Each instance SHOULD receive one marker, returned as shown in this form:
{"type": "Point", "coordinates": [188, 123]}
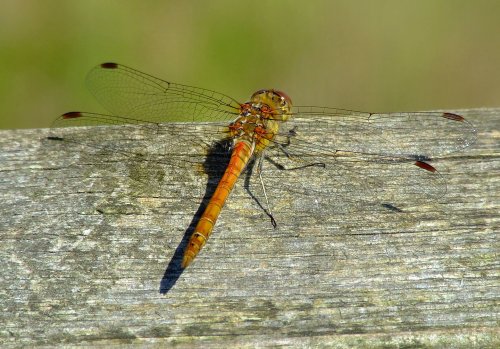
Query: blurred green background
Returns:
{"type": "Point", "coordinates": [385, 55]}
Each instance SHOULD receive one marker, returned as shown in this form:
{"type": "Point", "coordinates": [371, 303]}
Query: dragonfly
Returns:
{"type": "Point", "coordinates": [325, 144]}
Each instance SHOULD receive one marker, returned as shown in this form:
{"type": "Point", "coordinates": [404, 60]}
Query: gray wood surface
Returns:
{"type": "Point", "coordinates": [90, 257]}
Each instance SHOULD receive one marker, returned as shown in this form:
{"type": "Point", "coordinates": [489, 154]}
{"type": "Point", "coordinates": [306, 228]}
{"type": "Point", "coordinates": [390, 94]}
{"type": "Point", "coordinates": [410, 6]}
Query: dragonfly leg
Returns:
{"type": "Point", "coordinates": [268, 207]}
{"type": "Point", "coordinates": [305, 165]}
{"type": "Point", "coordinates": [283, 147]}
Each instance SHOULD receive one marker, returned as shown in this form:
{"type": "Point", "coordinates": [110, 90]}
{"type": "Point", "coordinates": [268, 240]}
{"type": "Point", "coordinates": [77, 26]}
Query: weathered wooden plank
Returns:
{"type": "Point", "coordinates": [90, 257]}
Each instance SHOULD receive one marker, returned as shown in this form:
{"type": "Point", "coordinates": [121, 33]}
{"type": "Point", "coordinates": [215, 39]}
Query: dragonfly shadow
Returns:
{"type": "Point", "coordinates": [214, 166]}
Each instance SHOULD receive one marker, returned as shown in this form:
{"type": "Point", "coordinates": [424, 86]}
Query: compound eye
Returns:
{"type": "Point", "coordinates": [284, 96]}
{"type": "Point", "coordinates": [259, 92]}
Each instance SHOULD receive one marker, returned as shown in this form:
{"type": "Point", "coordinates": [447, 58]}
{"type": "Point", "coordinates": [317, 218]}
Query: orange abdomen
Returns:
{"type": "Point", "coordinates": [239, 158]}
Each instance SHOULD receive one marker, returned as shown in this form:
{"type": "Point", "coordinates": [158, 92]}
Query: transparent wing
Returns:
{"type": "Point", "coordinates": [129, 92]}
{"type": "Point", "coordinates": [410, 134]}
{"type": "Point", "coordinates": [139, 140]}
{"type": "Point", "coordinates": [150, 110]}
{"type": "Point", "coordinates": [343, 183]}
{"type": "Point", "coordinates": [354, 159]}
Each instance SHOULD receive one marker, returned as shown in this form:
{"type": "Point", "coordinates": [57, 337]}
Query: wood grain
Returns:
{"type": "Point", "coordinates": [90, 257]}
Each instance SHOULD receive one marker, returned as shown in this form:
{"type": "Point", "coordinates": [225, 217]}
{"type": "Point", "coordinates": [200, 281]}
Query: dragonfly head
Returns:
{"type": "Point", "coordinates": [277, 103]}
